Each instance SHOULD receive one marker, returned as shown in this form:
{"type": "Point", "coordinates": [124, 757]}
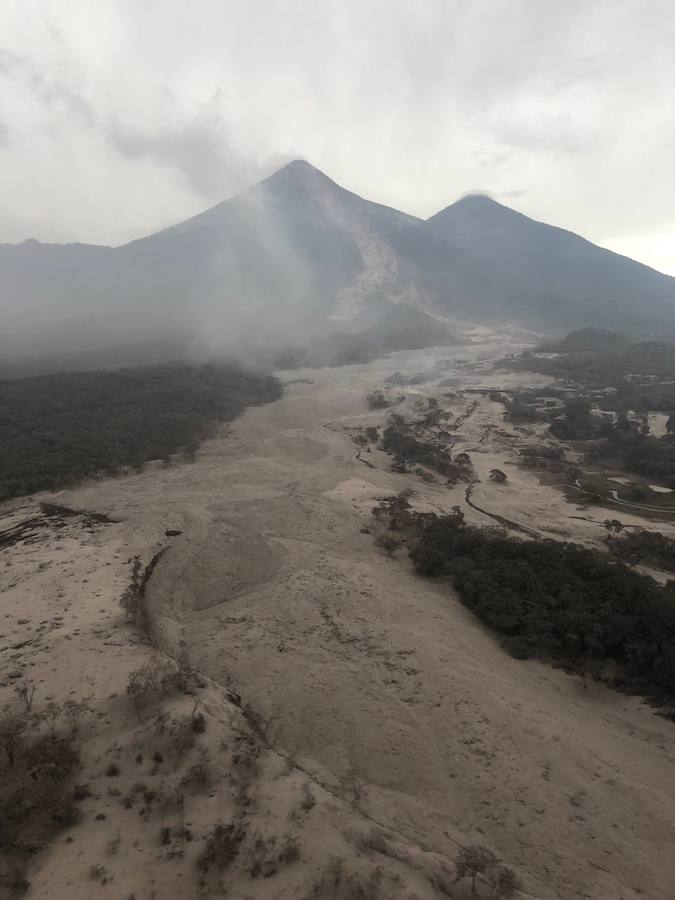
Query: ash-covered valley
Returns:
{"type": "Point", "coordinates": [323, 654]}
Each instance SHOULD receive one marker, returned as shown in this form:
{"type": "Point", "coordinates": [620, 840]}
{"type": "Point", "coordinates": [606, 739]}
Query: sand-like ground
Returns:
{"type": "Point", "coordinates": [376, 684]}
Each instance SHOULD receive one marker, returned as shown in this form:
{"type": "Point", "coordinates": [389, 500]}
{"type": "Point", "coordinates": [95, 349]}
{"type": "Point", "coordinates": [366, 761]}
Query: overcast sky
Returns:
{"type": "Point", "coordinates": [118, 117]}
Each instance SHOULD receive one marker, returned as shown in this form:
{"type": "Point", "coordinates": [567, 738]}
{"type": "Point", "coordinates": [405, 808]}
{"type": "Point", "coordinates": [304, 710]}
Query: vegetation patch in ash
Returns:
{"type": "Point", "coordinates": [635, 451]}
{"type": "Point", "coordinates": [611, 385]}
{"type": "Point", "coordinates": [58, 429]}
{"type": "Point", "coordinates": [424, 440]}
{"type": "Point", "coordinates": [556, 601]}
{"type": "Point", "coordinates": [625, 374]}
{"type": "Point", "coordinates": [636, 546]}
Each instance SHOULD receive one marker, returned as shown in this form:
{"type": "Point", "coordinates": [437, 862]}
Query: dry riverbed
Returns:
{"type": "Point", "coordinates": [384, 727]}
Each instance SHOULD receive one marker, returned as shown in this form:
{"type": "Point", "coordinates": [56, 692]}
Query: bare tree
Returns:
{"type": "Point", "coordinates": [506, 883]}
{"type": "Point", "coordinates": [186, 671]}
{"type": "Point", "coordinates": [388, 542]}
{"type": "Point", "coordinates": [26, 691]}
{"type": "Point", "coordinates": [150, 681]}
{"type": "Point", "coordinates": [12, 729]}
{"type": "Point", "coordinates": [463, 460]}
{"type": "Point", "coordinates": [613, 526]}
{"type": "Point", "coordinates": [130, 601]}
{"type": "Point", "coordinates": [51, 715]}
{"type": "Point", "coordinates": [353, 787]}
{"type": "Point", "coordinates": [474, 861]}
{"type": "Point", "coordinates": [74, 710]}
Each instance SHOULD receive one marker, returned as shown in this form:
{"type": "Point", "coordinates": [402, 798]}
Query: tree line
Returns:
{"type": "Point", "coordinates": [556, 601]}
{"type": "Point", "coordinates": [58, 429]}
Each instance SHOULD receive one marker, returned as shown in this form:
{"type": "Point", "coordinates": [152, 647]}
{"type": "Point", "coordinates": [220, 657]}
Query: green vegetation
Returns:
{"type": "Point", "coordinates": [639, 375]}
{"type": "Point", "coordinates": [614, 375]}
{"type": "Point", "coordinates": [588, 340]}
{"type": "Point", "coordinates": [637, 546]}
{"type": "Point", "coordinates": [637, 452]}
{"type": "Point", "coordinates": [576, 422]}
{"type": "Point", "coordinates": [556, 601]}
{"type": "Point", "coordinates": [58, 429]}
{"type": "Point", "coordinates": [399, 440]}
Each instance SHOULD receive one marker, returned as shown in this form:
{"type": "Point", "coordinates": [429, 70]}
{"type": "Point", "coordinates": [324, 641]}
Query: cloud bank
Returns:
{"type": "Point", "coordinates": [118, 118]}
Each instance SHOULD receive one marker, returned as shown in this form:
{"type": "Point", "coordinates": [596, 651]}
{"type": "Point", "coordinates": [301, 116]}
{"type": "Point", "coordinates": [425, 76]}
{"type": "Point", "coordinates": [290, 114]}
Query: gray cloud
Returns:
{"type": "Point", "coordinates": [199, 150]}
{"type": "Point", "coordinates": [52, 93]}
{"type": "Point", "coordinates": [126, 117]}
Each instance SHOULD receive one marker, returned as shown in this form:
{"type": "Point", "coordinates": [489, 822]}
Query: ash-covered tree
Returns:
{"type": "Point", "coordinates": [505, 882]}
{"type": "Point", "coordinates": [130, 601]}
{"type": "Point", "coordinates": [613, 526]}
{"type": "Point", "coordinates": [26, 692]}
{"type": "Point", "coordinates": [12, 730]}
{"type": "Point", "coordinates": [474, 861]}
{"type": "Point", "coordinates": [388, 542]}
{"type": "Point", "coordinates": [463, 460]}
{"type": "Point", "coordinates": [377, 400]}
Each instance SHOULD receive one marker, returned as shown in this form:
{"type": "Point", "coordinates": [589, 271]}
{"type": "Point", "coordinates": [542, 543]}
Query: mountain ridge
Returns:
{"type": "Point", "coordinates": [493, 204]}
{"type": "Point", "coordinates": [303, 166]}
{"type": "Point", "coordinates": [297, 255]}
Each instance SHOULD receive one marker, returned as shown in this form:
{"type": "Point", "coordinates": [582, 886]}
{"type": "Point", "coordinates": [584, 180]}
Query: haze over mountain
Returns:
{"type": "Point", "coordinates": [552, 274]}
{"type": "Point", "coordinates": [298, 256]}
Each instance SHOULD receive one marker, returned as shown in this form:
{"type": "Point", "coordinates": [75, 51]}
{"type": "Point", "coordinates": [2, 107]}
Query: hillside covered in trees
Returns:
{"type": "Point", "coordinates": [555, 601]}
{"type": "Point", "coordinates": [58, 429]}
{"type": "Point", "coordinates": [599, 358]}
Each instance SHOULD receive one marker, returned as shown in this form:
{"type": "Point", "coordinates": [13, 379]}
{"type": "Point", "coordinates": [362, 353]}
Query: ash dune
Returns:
{"type": "Point", "coordinates": [382, 697]}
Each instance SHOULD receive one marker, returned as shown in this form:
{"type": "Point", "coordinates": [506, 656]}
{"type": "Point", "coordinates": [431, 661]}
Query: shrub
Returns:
{"type": "Point", "coordinates": [131, 599]}
{"type": "Point", "coordinates": [97, 872]}
{"type": "Point", "coordinates": [474, 861]}
{"type": "Point", "coordinates": [377, 400]}
{"type": "Point", "coordinates": [54, 759]}
{"type": "Point", "coordinates": [506, 882]}
{"type": "Point", "coordinates": [186, 673]}
{"type": "Point", "coordinates": [268, 856]}
{"type": "Point", "coordinates": [198, 722]}
{"type": "Point", "coordinates": [51, 715]}
{"type": "Point", "coordinates": [222, 845]}
{"type": "Point", "coordinates": [198, 776]}
{"type": "Point", "coordinates": [15, 881]}
{"type": "Point", "coordinates": [74, 710]}
{"type": "Point", "coordinates": [151, 681]}
{"type": "Point", "coordinates": [26, 691]}
{"type": "Point", "coordinates": [113, 845]}
{"type": "Point", "coordinates": [12, 732]}
{"type": "Point", "coordinates": [182, 736]}
{"type": "Point", "coordinates": [81, 792]}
